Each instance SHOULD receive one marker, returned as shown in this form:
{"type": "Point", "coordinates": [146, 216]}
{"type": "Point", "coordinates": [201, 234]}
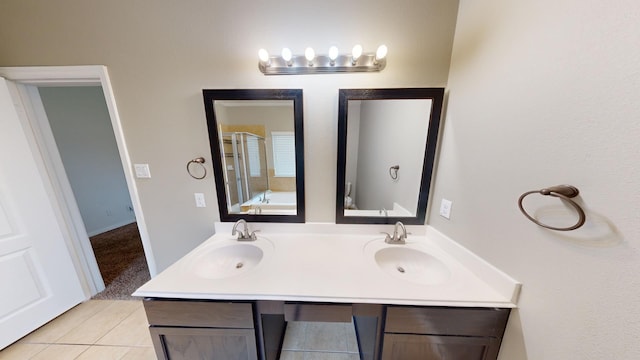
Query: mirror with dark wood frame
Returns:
{"type": "Point", "coordinates": [257, 147]}
{"type": "Point", "coordinates": [386, 148]}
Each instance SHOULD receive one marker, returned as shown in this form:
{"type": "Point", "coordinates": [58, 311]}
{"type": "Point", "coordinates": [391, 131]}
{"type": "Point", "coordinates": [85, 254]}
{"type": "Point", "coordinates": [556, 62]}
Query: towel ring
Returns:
{"type": "Point", "coordinates": [393, 172]}
{"type": "Point", "coordinates": [198, 160]}
{"type": "Point", "coordinates": [564, 192]}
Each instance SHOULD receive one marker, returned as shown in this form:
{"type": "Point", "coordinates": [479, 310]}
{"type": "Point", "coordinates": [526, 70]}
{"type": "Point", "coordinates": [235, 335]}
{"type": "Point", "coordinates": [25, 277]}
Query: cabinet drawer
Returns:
{"type": "Point", "coordinates": [446, 321]}
{"type": "Point", "coordinates": [433, 347]}
{"type": "Point", "coordinates": [199, 314]}
{"type": "Point", "coordinates": [172, 343]}
{"type": "Point", "coordinates": [317, 312]}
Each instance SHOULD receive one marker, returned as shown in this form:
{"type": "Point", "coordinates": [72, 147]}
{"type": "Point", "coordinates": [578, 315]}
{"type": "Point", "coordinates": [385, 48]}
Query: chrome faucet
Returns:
{"type": "Point", "coordinates": [243, 235]}
{"type": "Point", "coordinates": [264, 199]}
{"type": "Point", "coordinates": [398, 237]}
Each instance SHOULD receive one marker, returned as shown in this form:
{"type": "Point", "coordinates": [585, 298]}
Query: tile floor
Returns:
{"type": "Point", "coordinates": [319, 341]}
{"type": "Point", "coordinates": [118, 329]}
{"type": "Point", "coordinates": [96, 329]}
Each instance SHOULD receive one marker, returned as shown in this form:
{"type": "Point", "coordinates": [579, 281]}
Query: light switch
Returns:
{"type": "Point", "coordinates": [445, 208]}
{"type": "Point", "coordinates": [200, 200]}
{"type": "Point", "coordinates": [142, 171]}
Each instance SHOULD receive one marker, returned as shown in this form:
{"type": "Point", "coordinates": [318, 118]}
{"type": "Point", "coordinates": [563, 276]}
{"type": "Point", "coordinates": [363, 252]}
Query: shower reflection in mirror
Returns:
{"type": "Point", "coordinates": [245, 163]}
{"type": "Point", "coordinates": [258, 153]}
{"type": "Point", "coordinates": [257, 150]}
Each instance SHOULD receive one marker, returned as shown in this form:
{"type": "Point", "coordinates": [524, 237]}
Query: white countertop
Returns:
{"type": "Point", "coordinates": [332, 263]}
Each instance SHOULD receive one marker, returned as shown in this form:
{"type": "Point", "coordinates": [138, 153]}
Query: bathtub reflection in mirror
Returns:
{"type": "Point", "coordinates": [257, 149]}
{"type": "Point", "coordinates": [386, 147]}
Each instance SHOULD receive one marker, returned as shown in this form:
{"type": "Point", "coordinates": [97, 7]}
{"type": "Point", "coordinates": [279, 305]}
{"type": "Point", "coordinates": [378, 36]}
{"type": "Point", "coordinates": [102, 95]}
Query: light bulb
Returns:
{"type": "Point", "coordinates": [286, 55]}
{"type": "Point", "coordinates": [309, 54]}
{"type": "Point", "coordinates": [263, 55]}
{"type": "Point", "coordinates": [381, 53]}
{"type": "Point", "coordinates": [333, 53]}
{"type": "Point", "coordinates": [355, 53]}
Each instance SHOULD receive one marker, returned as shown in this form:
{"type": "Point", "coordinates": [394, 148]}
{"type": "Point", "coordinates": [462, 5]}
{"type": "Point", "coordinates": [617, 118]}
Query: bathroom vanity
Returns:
{"type": "Point", "coordinates": [427, 299]}
{"type": "Point", "coordinates": [195, 329]}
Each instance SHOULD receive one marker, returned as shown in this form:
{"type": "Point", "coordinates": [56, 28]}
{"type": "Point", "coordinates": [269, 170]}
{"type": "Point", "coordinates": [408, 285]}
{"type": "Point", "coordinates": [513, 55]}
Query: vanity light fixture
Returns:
{"type": "Point", "coordinates": [263, 55]}
{"type": "Point", "coordinates": [312, 63]}
{"type": "Point", "coordinates": [333, 55]}
{"type": "Point", "coordinates": [286, 56]}
{"type": "Point", "coordinates": [356, 52]}
{"type": "Point", "coordinates": [381, 53]}
{"type": "Point", "coordinates": [309, 54]}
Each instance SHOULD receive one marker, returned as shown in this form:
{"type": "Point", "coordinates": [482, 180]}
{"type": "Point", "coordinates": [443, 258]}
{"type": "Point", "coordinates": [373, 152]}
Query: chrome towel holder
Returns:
{"type": "Point", "coordinates": [393, 172]}
{"type": "Point", "coordinates": [198, 160]}
{"type": "Point", "coordinates": [564, 192]}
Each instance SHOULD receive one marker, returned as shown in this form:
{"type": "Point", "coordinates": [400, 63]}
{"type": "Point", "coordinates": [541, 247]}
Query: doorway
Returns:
{"type": "Point", "coordinates": [81, 128]}
{"type": "Point", "coordinates": [27, 80]}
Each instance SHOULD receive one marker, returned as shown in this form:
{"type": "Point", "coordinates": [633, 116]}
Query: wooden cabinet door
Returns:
{"type": "Point", "coordinates": [428, 347]}
{"type": "Point", "coordinates": [201, 343]}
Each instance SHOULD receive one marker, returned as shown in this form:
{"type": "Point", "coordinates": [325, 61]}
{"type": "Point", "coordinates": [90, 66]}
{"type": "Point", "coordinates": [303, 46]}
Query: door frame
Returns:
{"type": "Point", "coordinates": [26, 80]}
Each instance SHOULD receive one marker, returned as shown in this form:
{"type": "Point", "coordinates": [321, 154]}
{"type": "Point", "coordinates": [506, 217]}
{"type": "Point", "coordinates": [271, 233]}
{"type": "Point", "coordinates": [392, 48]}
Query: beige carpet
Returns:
{"type": "Point", "coordinates": [121, 260]}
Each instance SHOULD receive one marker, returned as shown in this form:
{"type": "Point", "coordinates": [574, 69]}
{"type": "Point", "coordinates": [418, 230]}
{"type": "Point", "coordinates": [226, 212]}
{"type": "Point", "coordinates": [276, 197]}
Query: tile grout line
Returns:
{"type": "Point", "coordinates": [83, 344]}
{"type": "Point", "coordinates": [49, 324]}
{"type": "Point", "coordinates": [89, 317]}
{"type": "Point", "coordinates": [93, 315]}
{"type": "Point", "coordinates": [43, 349]}
{"type": "Point", "coordinates": [43, 345]}
{"type": "Point", "coordinates": [115, 326]}
{"type": "Point", "coordinates": [115, 346]}
{"type": "Point", "coordinates": [85, 350]}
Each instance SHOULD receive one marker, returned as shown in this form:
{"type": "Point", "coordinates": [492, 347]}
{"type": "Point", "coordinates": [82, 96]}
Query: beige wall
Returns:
{"type": "Point", "coordinates": [392, 132]}
{"type": "Point", "coordinates": [541, 92]}
{"type": "Point", "coordinates": [544, 93]}
{"type": "Point", "coordinates": [161, 54]}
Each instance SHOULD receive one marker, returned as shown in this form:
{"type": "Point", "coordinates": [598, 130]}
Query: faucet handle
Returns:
{"type": "Point", "coordinates": [387, 238]}
{"type": "Point", "coordinates": [241, 236]}
{"type": "Point", "coordinates": [248, 236]}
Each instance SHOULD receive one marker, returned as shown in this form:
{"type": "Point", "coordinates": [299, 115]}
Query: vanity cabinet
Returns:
{"type": "Point", "coordinates": [437, 333]}
{"type": "Point", "coordinates": [248, 330]}
{"type": "Point", "coordinates": [183, 329]}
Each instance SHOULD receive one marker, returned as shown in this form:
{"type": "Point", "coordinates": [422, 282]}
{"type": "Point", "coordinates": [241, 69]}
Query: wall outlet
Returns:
{"type": "Point", "coordinates": [445, 208]}
{"type": "Point", "coordinates": [142, 171]}
{"type": "Point", "coordinates": [200, 200]}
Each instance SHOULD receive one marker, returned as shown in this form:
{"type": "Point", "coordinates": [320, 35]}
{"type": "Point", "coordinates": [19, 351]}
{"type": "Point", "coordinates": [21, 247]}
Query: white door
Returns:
{"type": "Point", "coordinates": [38, 280]}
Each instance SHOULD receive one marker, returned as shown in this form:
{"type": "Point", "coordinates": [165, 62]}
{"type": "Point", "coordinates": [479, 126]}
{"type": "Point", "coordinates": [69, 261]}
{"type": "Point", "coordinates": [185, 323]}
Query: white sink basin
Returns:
{"type": "Point", "coordinates": [411, 264]}
{"type": "Point", "coordinates": [230, 258]}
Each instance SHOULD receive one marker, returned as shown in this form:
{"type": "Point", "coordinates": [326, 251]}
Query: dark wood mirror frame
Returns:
{"type": "Point", "coordinates": [211, 95]}
{"type": "Point", "coordinates": [345, 95]}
